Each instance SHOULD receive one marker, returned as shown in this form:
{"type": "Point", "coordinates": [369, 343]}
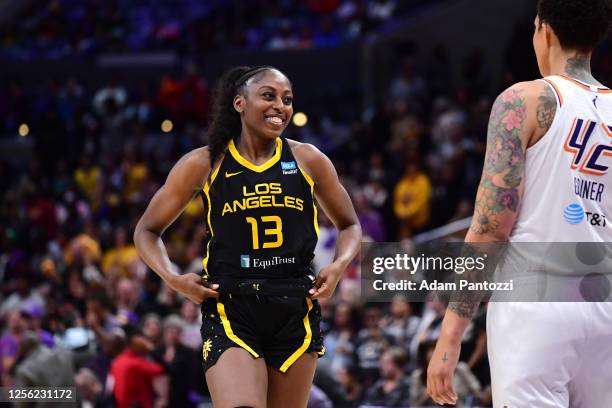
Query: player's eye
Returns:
{"type": "Point", "coordinates": [288, 100]}
{"type": "Point", "coordinates": [268, 95]}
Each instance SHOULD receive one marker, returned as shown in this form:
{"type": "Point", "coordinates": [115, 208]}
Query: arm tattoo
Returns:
{"type": "Point", "coordinates": [504, 163]}
{"type": "Point", "coordinates": [547, 107]}
{"type": "Point", "coordinates": [445, 357]}
{"type": "Point", "coordinates": [499, 189]}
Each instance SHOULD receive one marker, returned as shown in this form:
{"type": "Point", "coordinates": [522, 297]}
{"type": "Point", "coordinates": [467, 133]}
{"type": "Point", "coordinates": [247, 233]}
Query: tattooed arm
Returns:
{"type": "Point", "coordinates": [520, 116]}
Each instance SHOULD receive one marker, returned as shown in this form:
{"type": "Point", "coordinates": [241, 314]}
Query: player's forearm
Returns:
{"type": "Point", "coordinates": [152, 250]}
{"type": "Point", "coordinates": [500, 235]}
{"type": "Point", "coordinates": [454, 325]}
{"type": "Point", "coordinates": [348, 244]}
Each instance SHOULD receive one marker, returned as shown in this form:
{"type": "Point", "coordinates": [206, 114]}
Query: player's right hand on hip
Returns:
{"type": "Point", "coordinates": [441, 371]}
{"type": "Point", "coordinates": [193, 287]}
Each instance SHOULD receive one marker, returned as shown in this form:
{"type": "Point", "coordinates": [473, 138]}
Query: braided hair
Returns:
{"type": "Point", "coordinates": [225, 122]}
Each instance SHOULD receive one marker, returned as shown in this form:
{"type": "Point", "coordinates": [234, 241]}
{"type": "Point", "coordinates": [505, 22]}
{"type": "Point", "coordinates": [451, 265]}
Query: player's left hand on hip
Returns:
{"type": "Point", "coordinates": [327, 280]}
{"type": "Point", "coordinates": [441, 371]}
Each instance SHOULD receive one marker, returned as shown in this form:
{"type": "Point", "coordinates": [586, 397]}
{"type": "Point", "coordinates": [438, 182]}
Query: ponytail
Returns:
{"type": "Point", "coordinates": [225, 121]}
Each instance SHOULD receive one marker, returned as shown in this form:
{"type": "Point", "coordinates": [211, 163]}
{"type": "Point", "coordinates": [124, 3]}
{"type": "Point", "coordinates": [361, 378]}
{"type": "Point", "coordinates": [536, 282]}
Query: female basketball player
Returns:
{"type": "Point", "coordinates": [260, 315]}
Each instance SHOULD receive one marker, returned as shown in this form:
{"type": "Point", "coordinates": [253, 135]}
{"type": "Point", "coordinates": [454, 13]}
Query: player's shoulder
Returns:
{"type": "Point", "coordinates": [197, 159]}
{"type": "Point", "coordinates": [309, 157]}
{"type": "Point", "coordinates": [305, 152]}
{"type": "Point", "coordinates": [532, 93]}
{"type": "Point", "coordinates": [527, 90]}
{"type": "Point", "coordinates": [193, 167]}
{"type": "Point", "coordinates": [536, 98]}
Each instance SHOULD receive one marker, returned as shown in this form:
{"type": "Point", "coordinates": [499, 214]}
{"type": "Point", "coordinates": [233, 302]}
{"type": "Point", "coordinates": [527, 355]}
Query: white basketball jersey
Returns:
{"type": "Point", "coordinates": [568, 173]}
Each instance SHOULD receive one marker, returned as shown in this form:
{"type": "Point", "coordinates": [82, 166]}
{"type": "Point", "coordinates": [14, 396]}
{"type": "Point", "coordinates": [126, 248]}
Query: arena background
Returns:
{"type": "Point", "coordinates": [98, 99]}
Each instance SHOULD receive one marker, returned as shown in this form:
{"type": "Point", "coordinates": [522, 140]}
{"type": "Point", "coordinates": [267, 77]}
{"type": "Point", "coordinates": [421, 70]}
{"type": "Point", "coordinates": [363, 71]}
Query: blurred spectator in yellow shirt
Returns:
{"type": "Point", "coordinates": [87, 176]}
{"type": "Point", "coordinates": [122, 259]}
{"type": "Point", "coordinates": [411, 199]}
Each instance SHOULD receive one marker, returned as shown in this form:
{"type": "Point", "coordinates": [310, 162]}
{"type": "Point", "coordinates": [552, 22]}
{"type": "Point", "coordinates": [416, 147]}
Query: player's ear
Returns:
{"type": "Point", "coordinates": [549, 34]}
{"type": "Point", "coordinates": [239, 103]}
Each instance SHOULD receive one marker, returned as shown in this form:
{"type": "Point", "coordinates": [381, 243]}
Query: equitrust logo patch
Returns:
{"type": "Point", "coordinates": [245, 261]}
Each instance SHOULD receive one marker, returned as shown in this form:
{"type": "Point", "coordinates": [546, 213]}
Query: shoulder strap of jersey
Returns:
{"type": "Point", "coordinates": [553, 83]}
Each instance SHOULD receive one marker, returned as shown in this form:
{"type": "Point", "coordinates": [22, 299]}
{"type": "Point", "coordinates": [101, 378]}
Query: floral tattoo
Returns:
{"type": "Point", "coordinates": [504, 163]}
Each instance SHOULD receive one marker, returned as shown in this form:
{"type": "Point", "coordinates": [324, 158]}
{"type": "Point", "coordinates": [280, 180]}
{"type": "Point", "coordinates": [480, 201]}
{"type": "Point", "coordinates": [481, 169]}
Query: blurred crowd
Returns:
{"type": "Point", "coordinates": [72, 279]}
{"type": "Point", "coordinates": [61, 28]}
{"type": "Point", "coordinates": [79, 307]}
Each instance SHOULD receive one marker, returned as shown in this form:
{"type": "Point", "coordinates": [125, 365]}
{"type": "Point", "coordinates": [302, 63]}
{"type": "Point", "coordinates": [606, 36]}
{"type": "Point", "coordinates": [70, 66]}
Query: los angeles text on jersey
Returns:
{"type": "Point", "coordinates": [262, 195]}
{"type": "Point", "coordinates": [589, 190]}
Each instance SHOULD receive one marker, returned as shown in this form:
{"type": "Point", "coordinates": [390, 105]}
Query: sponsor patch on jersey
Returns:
{"type": "Point", "coordinates": [245, 261]}
{"type": "Point", "coordinates": [573, 214]}
{"type": "Point", "coordinates": [289, 167]}
{"type": "Point", "coordinates": [273, 261]}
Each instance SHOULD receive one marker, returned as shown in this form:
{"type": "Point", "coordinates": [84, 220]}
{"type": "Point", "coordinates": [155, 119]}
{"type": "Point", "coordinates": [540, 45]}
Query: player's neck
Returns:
{"type": "Point", "coordinates": [576, 65]}
{"type": "Point", "coordinates": [255, 148]}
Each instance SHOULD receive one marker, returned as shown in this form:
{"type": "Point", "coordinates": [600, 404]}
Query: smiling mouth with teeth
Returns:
{"type": "Point", "coordinates": [275, 120]}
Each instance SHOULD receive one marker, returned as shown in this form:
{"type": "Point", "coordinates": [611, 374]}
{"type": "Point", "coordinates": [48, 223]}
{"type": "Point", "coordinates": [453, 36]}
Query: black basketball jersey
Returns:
{"type": "Point", "coordinates": [261, 218]}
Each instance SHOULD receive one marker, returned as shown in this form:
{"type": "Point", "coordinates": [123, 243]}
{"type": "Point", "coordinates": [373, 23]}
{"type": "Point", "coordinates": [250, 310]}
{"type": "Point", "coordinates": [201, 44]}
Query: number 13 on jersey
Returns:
{"type": "Point", "coordinates": [276, 231]}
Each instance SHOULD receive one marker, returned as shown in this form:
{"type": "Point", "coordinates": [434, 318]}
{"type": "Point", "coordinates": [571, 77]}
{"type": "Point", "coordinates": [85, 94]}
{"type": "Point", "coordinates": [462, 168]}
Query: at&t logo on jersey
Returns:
{"type": "Point", "coordinates": [289, 167]}
{"type": "Point", "coordinates": [575, 214]}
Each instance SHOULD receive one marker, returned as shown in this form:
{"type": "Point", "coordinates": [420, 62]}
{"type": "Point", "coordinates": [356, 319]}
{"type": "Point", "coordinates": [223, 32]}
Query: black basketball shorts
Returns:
{"type": "Point", "coordinates": [279, 329]}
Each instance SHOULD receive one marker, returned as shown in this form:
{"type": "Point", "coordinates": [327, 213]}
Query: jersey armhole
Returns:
{"type": "Point", "coordinates": [559, 99]}
{"type": "Point", "coordinates": [555, 90]}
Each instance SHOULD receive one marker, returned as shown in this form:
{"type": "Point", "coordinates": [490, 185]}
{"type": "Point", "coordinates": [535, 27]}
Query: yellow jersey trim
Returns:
{"type": "Point", "coordinates": [293, 358]}
{"type": "Point", "coordinates": [256, 168]}
{"type": "Point", "coordinates": [229, 332]}
{"type": "Point", "coordinates": [206, 190]}
{"type": "Point", "coordinates": [314, 207]}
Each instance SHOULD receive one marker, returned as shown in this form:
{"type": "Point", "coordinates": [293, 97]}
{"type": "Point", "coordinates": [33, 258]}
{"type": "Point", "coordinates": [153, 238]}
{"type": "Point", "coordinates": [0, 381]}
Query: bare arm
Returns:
{"type": "Point", "coordinates": [184, 181]}
{"type": "Point", "coordinates": [519, 117]}
{"type": "Point", "coordinates": [335, 201]}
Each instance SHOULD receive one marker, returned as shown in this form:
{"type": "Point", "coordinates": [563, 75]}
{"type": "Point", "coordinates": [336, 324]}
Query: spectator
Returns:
{"type": "Point", "coordinates": [39, 366]}
{"type": "Point", "coordinates": [89, 388]}
{"type": "Point", "coordinates": [192, 322]}
{"type": "Point", "coordinates": [152, 328]}
{"type": "Point", "coordinates": [340, 342]}
{"type": "Point", "coordinates": [23, 296]}
{"type": "Point", "coordinates": [9, 343]}
{"type": "Point", "coordinates": [371, 344]}
{"type": "Point", "coordinates": [351, 383]}
{"type": "Point", "coordinates": [402, 325]}
{"type": "Point", "coordinates": [127, 297]}
{"type": "Point", "coordinates": [393, 389]}
{"type": "Point", "coordinates": [324, 251]}
{"type": "Point", "coordinates": [131, 375]}
{"type": "Point", "coordinates": [411, 199]}
{"type": "Point", "coordinates": [318, 399]}
{"type": "Point", "coordinates": [183, 366]}
{"type": "Point", "coordinates": [122, 259]}
{"type": "Point", "coordinates": [370, 219]}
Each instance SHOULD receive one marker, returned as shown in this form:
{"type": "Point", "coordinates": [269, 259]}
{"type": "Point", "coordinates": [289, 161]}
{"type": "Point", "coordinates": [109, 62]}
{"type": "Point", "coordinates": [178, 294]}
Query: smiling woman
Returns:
{"type": "Point", "coordinates": [260, 315]}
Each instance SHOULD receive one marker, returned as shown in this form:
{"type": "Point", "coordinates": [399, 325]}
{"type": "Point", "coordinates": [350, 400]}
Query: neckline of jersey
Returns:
{"type": "Point", "coordinates": [256, 167]}
{"type": "Point", "coordinates": [586, 86]}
